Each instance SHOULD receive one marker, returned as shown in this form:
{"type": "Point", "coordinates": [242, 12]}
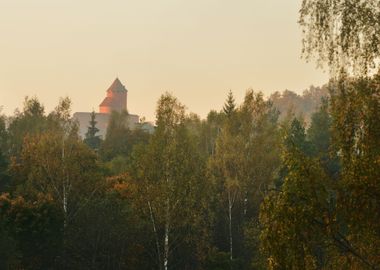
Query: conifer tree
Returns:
{"type": "Point", "coordinates": [229, 105]}
{"type": "Point", "coordinates": [320, 136]}
{"type": "Point", "coordinates": [296, 138]}
{"type": "Point", "coordinates": [93, 140]}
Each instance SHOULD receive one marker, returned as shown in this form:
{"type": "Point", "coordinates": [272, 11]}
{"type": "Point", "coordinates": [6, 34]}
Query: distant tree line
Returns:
{"type": "Point", "coordinates": [303, 106]}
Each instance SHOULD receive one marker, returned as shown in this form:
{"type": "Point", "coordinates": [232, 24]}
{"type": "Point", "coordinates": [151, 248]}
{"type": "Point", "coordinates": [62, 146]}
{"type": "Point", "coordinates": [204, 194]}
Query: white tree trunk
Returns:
{"type": "Point", "coordinates": [166, 243]}
{"type": "Point", "coordinates": [155, 235]}
{"type": "Point", "coordinates": [64, 205]}
{"type": "Point", "coordinates": [64, 202]}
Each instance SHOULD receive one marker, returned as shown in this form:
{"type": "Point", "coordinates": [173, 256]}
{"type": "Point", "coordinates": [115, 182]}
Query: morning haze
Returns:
{"type": "Point", "coordinates": [197, 50]}
{"type": "Point", "coordinates": [283, 173]}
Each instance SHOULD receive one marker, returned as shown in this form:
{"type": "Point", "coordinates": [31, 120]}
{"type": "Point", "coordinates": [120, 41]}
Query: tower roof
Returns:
{"type": "Point", "coordinates": [117, 86]}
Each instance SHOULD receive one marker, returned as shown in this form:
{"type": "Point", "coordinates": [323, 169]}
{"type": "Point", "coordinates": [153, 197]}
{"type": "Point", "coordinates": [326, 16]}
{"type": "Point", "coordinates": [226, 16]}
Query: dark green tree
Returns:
{"type": "Point", "coordinates": [31, 120]}
{"type": "Point", "coordinates": [4, 155]}
{"type": "Point", "coordinates": [93, 140]}
{"type": "Point", "coordinates": [319, 132]}
{"type": "Point", "coordinates": [295, 220]}
{"type": "Point", "coordinates": [229, 105]}
{"type": "Point", "coordinates": [296, 137]}
{"type": "Point", "coordinates": [121, 137]}
{"type": "Point", "coordinates": [33, 232]}
{"type": "Point", "coordinates": [320, 137]}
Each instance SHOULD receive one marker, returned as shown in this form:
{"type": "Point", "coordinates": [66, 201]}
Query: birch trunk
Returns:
{"type": "Point", "coordinates": [230, 203]}
{"type": "Point", "coordinates": [155, 235]}
{"type": "Point", "coordinates": [166, 243]}
{"type": "Point", "coordinates": [64, 203]}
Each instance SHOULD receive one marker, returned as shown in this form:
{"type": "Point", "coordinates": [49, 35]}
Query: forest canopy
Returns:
{"type": "Point", "coordinates": [232, 191]}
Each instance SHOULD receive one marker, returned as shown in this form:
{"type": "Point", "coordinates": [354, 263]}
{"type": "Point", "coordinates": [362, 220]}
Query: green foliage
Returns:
{"type": "Point", "coordinates": [356, 114]}
{"type": "Point", "coordinates": [58, 210]}
{"type": "Point", "coordinates": [320, 128]}
{"type": "Point", "coordinates": [295, 219]}
{"type": "Point", "coordinates": [325, 216]}
{"type": "Point", "coordinates": [237, 190]}
{"type": "Point", "coordinates": [229, 106]}
{"type": "Point", "coordinates": [296, 138]}
{"type": "Point", "coordinates": [93, 140]}
{"type": "Point", "coordinates": [171, 189]}
{"type": "Point", "coordinates": [30, 121]}
{"type": "Point", "coordinates": [34, 230]}
{"type": "Point", "coordinates": [345, 34]}
{"type": "Point", "coordinates": [209, 131]}
{"type": "Point", "coordinates": [118, 165]}
{"type": "Point", "coordinates": [342, 33]}
{"type": "Point", "coordinates": [3, 135]}
{"type": "Point", "coordinates": [4, 155]}
{"type": "Point", "coordinates": [120, 139]}
{"type": "Point", "coordinates": [246, 155]}
{"type": "Point", "coordinates": [63, 167]}
{"type": "Point", "coordinates": [321, 139]}
{"type": "Point", "coordinates": [108, 235]}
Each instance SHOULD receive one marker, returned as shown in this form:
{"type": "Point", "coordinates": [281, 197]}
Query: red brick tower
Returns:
{"type": "Point", "coordinates": [116, 99]}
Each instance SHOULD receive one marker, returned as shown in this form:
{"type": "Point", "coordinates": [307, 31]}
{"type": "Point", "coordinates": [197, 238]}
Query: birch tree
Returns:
{"type": "Point", "coordinates": [168, 174]}
{"type": "Point", "coordinates": [342, 33]}
{"type": "Point", "coordinates": [31, 120]}
{"type": "Point", "coordinates": [345, 35]}
{"type": "Point", "coordinates": [58, 163]}
{"type": "Point", "coordinates": [244, 164]}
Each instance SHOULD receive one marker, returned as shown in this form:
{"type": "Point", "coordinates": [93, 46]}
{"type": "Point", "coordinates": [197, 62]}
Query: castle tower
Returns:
{"type": "Point", "coordinates": [116, 99]}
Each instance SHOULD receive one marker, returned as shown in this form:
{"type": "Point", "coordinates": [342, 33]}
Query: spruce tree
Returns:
{"type": "Point", "coordinates": [296, 138]}
{"type": "Point", "coordinates": [93, 140]}
{"type": "Point", "coordinates": [229, 106]}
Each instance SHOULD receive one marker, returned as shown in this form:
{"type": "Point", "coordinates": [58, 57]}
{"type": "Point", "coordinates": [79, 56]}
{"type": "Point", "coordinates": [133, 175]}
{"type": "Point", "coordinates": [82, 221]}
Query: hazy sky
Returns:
{"type": "Point", "coordinates": [196, 49]}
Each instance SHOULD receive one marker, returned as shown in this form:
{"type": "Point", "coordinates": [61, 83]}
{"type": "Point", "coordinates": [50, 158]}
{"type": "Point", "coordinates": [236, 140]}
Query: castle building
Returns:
{"type": "Point", "coordinates": [115, 100]}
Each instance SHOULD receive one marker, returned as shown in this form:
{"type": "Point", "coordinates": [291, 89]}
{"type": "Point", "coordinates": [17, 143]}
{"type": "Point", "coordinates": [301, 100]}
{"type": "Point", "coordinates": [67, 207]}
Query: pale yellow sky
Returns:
{"type": "Point", "coordinates": [196, 49]}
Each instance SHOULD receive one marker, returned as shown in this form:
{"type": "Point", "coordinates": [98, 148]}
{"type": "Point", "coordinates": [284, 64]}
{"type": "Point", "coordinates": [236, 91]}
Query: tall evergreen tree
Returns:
{"type": "Point", "coordinates": [93, 140]}
{"type": "Point", "coordinates": [321, 139]}
{"type": "Point", "coordinates": [319, 132]}
{"type": "Point", "coordinates": [296, 138]}
{"type": "Point", "coordinates": [229, 105]}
